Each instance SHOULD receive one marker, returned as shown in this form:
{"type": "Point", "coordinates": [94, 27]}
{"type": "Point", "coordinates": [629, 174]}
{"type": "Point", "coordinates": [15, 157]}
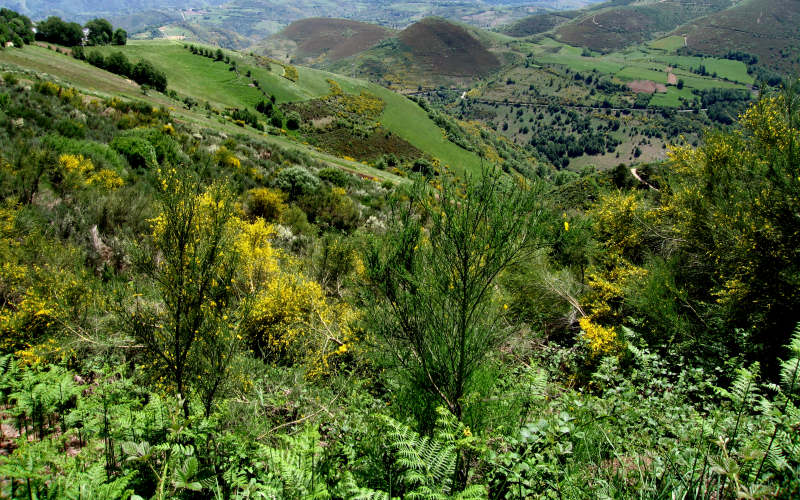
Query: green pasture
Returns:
{"type": "Point", "coordinates": [670, 43]}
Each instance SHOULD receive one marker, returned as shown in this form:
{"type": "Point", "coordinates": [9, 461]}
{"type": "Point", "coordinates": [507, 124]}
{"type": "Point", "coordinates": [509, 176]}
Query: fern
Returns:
{"type": "Point", "coordinates": [296, 466]}
{"type": "Point", "coordinates": [426, 463]}
{"type": "Point", "coordinates": [790, 369]}
{"type": "Point", "coordinates": [354, 492]}
{"type": "Point", "coordinates": [788, 446]}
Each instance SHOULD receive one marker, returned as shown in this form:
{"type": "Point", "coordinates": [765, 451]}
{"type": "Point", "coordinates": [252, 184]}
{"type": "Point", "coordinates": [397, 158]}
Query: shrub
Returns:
{"type": "Point", "coordinates": [71, 129]}
{"type": "Point", "coordinates": [297, 181]}
{"type": "Point", "coordinates": [334, 209]}
{"type": "Point", "coordinates": [118, 63]}
{"type": "Point", "coordinates": [434, 286]}
{"type": "Point", "coordinates": [335, 176]}
{"type": "Point", "coordinates": [138, 151]}
{"type": "Point", "coordinates": [266, 203]}
{"type": "Point", "coordinates": [101, 154]}
{"type": "Point", "coordinates": [225, 158]}
{"type": "Point", "coordinates": [145, 73]}
{"type": "Point", "coordinates": [293, 121]}
{"type": "Point", "coordinates": [120, 37]}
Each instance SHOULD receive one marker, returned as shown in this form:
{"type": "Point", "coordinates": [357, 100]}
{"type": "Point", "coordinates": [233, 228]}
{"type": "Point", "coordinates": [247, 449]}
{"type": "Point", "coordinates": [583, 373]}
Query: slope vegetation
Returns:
{"type": "Point", "coordinates": [223, 88]}
{"type": "Point", "coordinates": [63, 69]}
{"type": "Point", "coordinates": [430, 53]}
{"type": "Point", "coordinates": [616, 25]}
{"type": "Point", "coordinates": [315, 39]}
{"type": "Point", "coordinates": [448, 49]}
{"type": "Point", "coordinates": [765, 28]}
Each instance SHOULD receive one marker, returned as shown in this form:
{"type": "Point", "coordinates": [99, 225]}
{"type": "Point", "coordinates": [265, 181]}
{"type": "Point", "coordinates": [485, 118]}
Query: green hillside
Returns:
{"type": "Point", "coordinates": [225, 88]}
{"type": "Point", "coordinates": [65, 69]}
{"type": "Point", "coordinates": [432, 52]}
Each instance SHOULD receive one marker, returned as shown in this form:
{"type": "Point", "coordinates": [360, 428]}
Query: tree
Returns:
{"type": "Point", "coordinates": [100, 32]}
{"type": "Point", "coordinates": [54, 30]}
{"type": "Point", "coordinates": [292, 121]}
{"type": "Point", "coordinates": [145, 73]}
{"type": "Point", "coordinates": [15, 27]}
{"type": "Point", "coordinates": [735, 204]}
{"type": "Point", "coordinates": [193, 268]}
{"type": "Point", "coordinates": [433, 277]}
{"type": "Point", "coordinates": [118, 63]}
{"type": "Point", "coordinates": [120, 37]}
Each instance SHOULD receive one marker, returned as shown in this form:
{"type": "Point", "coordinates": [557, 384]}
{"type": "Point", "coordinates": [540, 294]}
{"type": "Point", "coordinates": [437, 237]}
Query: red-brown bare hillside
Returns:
{"type": "Point", "coordinates": [335, 38]}
{"type": "Point", "coordinates": [447, 49]}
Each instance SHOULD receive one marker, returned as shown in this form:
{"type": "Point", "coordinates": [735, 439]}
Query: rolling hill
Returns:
{"type": "Point", "coordinates": [429, 53]}
{"type": "Point", "coordinates": [313, 40]}
{"type": "Point", "coordinates": [621, 23]}
{"type": "Point", "coordinates": [223, 89]}
{"type": "Point", "coordinates": [765, 28]}
{"type": "Point", "coordinates": [539, 23]}
{"type": "Point", "coordinates": [445, 48]}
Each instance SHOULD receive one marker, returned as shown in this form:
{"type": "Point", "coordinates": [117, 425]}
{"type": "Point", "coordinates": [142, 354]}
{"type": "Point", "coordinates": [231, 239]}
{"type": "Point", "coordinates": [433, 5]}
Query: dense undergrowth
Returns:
{"type": "Point", "coordinates": [190, 315]}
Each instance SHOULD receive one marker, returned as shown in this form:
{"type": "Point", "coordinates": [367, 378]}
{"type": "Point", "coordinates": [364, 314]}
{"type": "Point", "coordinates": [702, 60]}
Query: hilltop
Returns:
{"type": "Point", "coordinates": [445, 48]}
{"type": "Point", "coordinates": [428, 53]}
{"type": "Point", "coordinates": [315, 40]}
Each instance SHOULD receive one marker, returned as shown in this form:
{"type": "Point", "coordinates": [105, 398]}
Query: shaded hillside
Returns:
{"type": "Point", "coordinates": [322, 38]}
{"type": "Point", "coordinates": [619, 26]}
{"type": "Point", "coordinates": [447, 49]}
{"type": "Point", "coordinates": [431, 53]}
{"type": "Point", "coordinates": [765, 28]}
{"type": "Point", "coordinates": [140, 20]}
{"type": "Point", "coordinates": [539, 23]}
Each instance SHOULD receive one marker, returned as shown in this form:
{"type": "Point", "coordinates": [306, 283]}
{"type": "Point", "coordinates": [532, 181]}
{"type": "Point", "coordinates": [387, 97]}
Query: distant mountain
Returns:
{"type": "Point", "coordinates": [258, 19]}
{"type": "Point", "coordinates": [79, 9]}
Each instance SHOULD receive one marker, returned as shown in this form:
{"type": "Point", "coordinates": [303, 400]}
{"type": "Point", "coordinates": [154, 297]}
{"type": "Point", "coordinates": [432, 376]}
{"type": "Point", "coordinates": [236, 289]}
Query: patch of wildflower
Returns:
{"type": "Point", "coordinates": [80, 171]}
{"type": "Point", "coordinates": [602, 340]}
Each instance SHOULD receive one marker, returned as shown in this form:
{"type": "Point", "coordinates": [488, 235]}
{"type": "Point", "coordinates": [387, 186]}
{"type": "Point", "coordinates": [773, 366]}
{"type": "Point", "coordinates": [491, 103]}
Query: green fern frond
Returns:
{"type": "Point", "coordinates": [427, 461]}
{"type": "Point", "coordinates": [354, 492]}
{"type": "Point", "coordinates": [744, 390]}
{"type": "Point", "coordinates": [474, 492]}
{"type": "Point", "coordinates": [790, 369]}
